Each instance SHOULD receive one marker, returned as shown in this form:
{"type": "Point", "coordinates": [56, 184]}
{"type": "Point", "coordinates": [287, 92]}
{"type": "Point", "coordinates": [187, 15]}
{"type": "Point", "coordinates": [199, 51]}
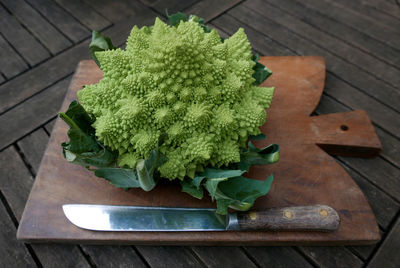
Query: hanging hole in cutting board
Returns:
{"type": "Point", "coordinates": [344, 127]}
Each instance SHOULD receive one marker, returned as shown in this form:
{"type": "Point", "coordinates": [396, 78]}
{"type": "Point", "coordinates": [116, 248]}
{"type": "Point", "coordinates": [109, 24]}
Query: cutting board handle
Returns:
{"type": "Point", "coordinates": [304, 218]}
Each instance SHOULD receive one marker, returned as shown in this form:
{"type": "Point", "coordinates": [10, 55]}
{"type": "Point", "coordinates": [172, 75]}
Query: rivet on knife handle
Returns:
{"type": "Point", "coordinates": [304, 218]}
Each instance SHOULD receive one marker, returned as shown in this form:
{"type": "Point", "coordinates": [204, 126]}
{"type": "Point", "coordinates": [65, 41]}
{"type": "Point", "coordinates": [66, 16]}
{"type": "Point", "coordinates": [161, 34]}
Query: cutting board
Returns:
{"type": "Point", "coordinates": [305, 175]}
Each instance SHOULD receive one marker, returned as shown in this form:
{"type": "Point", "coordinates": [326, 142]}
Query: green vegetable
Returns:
{"type": "Point", "coordinates": [179, 102]}
{"type": "Point", "coordinates": [99, 43]}
{"type": "Point", "coordinates": [83, 148]}
{"type": "Point", "coordinates": [184, 82]}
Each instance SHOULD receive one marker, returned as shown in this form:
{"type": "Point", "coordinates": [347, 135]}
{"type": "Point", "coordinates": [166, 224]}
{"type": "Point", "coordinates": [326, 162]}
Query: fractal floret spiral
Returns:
{"type": "Point", "coordinates": [183, 82]}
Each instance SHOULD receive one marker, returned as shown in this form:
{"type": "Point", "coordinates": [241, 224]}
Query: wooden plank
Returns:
{"type": "Point", "coordinates": [62, 65]}
{"type": "Point", "coordinates": [264, 44]}
{"type": "Point", "coordinates": [114, 256]}
{"type": "Point", "coordinates": [384, 207]}
{"type": "Point", "coordinates": [332, 257]}
{"type": "Point", "coordinates": [358, 21]}
{"type": "Point", "coordinates": [41, 77]}
{"type": "Point", "coordinates": [32, 113]}
{"type": "Point", "coordinates": [13, 253]}
{"type": "Point", "coordinates": [169, 256]}
{"type": "Point", "coordinates": [388, 7]}
{"type": "Point", "coordinates": [15, 184]}
{"type": "Point", "coordinates": [209, 9]}
{"type": "Point", "coordinates": [16, 181]}
{"type": "Point", "coordinates": [390, 145]}
{"type": "Point", "coordinates": [11, 63]}
{"type": "Point", "coordinates": [223, 257]}
{"type": "Point", "coordinates": [342, 65]}
{"type": "Point", "coordinates": [364, 252]}
{"type": "Point", "coordinates": [342, 91]}
{"type": "Point", "coordinates": [380, 114]}
{"type": "Point", "coordinates": [279, 257]}
{"type": "Point", "coordinates": [74, 180]}
{"type": "Point", "coordinates": [363, 7]}
{"type": "Point", "coordinates": [383, 174]}
{"type": "Point", "coordinates": [21, 39]}
{"type": "Point", "coordinates": [49, 126]}
{"type": "Point", "coordinates": [85, 14]}
{"type": "Point", "coordinates": [173, 6]}
{"type": "Point", "coordinates": [61, 254]}
{"type": "Point", "coordinates": [61, 19]}
{"type": "Point", "coordinates": [388, 253]}
{"type": "Point", "coordinates": [44, 31]}
{"type": "Point", "coordinates": [317, 18]}
{"type": "Point", "coordinates": [118, 10]}
{"type": "Point", "coordinates": [33, 146]}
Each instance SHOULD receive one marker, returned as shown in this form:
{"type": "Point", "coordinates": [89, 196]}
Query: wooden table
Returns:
{"type": "Point", "coordinates": [43, 40]}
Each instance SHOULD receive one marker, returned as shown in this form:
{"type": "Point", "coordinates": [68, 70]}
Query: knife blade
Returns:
{"type": "Point", "coordinates": [167, 219]}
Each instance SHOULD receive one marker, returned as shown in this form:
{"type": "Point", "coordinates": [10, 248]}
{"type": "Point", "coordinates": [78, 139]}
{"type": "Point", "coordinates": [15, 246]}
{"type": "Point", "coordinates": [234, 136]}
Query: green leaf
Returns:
{"type": "Point", "coordinates": [240, 193]}
{"type": "Point", "coordinates": [146, 167]}
{"type": "Point", "coordinates": [197, 180]}
{"type": "Point", "coordinates": [80, 117]}
{"type": "Point", "coordinates": [189, 187]}
{"type": "Point", "coordinates": [176, 18]}
{"type": "Point", "coordinates": [213, 173]}
{"type": "Point", "coordinates": [83, 148]}
{"type": "Point", "coordinates": [256, 57]}
{"type": "Point", "coordinates": [261, 72]}
{"type": "Point", "coordinates": [245, 189]}
{"type": "Point", "coordinates": [102, 158]}
{"type": "Point", "coordinates": [81, 142]}
{"type": "Point", "coordinates": [222, 206]}
{"type": "Point", "coordinates": [212, 184]}
{"type": "Point", "coordinates": [119, 177]}
{"type": "Point", "coordinates": [257, 137]}
{"type": "Point", "coordinates": [255, 156]}
{"type": "Point", "coordinates": [99, 43]}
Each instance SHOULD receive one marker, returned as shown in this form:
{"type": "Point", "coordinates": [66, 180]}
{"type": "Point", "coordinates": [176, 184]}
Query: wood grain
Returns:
{"type": "Point", "coordinates": [306, 175]}
{"type": "Point", "coordinates": [298, 218]}
{"type": "Point", "coordinates": [336, 46]}
{"type": "Point", "coordinates": [11, 63]}
{"type": "Point", "coordinates": [43, 30]}
{"type": "Point", "coordinates": [377, 30]}
{"type": "Point", "coordinates": [20, 39]}
{"type": "Point", "coordinates": [9, 246]}
{"type": "Point", "coordinates": [281, 28]}
{"type": "Point", "coordinates": [316, 18]}
{"type": "Point", "coordinates": [387, 255]}
{"type": "Point", "coordinates": [61, 19]}
{"type": "Point", "coordinates": [87, 16]}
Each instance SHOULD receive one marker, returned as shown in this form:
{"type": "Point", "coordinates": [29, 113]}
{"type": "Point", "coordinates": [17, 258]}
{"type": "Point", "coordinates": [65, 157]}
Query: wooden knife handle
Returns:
{"type": "Point", "coordinates": [299, 218]}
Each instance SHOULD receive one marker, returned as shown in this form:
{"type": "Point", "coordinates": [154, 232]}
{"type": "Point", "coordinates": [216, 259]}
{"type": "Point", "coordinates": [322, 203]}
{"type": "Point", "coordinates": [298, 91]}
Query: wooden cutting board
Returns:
{"type": "Point", "coordinates": [305, 175]}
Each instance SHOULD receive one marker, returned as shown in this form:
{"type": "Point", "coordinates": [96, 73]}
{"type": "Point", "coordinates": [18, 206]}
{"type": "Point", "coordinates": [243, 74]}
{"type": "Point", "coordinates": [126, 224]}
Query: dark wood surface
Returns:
{"type": "Point", "coordinates": [305, 175]}
{"type": "Point", "coordinates": [304, 218]}
{"type": "Point", "coordinates": [307, 27]}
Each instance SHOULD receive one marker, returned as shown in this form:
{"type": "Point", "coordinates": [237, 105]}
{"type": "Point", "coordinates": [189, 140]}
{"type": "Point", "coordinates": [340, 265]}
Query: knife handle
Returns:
{"type": "Point", "coordinates": [299, 218]}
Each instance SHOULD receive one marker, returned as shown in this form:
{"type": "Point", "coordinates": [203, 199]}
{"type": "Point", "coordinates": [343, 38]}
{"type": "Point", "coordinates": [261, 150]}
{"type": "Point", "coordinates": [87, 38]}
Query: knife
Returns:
{"type": "Point", "coordinates": [164, 219]}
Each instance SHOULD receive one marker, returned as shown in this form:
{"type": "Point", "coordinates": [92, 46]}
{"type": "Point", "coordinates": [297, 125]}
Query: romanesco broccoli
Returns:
{"type": "Point", "coordinates": [184, 82]}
